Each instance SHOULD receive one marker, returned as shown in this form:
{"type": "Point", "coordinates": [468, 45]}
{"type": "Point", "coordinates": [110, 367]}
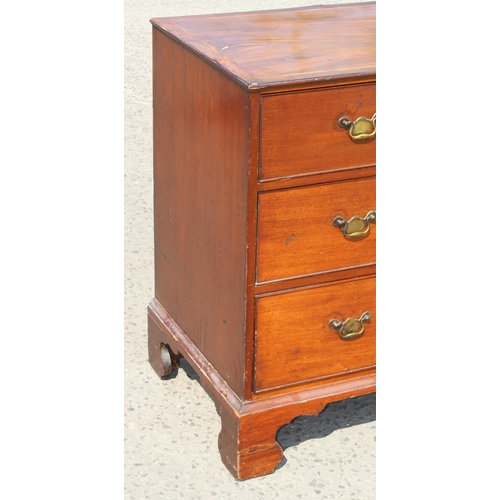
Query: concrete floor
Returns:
{"type": "Point", "coordinates": [171, 427]}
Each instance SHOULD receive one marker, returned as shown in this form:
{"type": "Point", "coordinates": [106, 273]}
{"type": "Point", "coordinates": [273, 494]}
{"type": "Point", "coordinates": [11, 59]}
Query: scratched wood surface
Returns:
{"type": "Point", "coordinates": [236, 96]}
{"type": "Point", "coordinates": [270, 47]}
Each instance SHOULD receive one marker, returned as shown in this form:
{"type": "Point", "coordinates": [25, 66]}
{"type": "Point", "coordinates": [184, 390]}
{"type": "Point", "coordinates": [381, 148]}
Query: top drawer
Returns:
{"type": "Point", "coordinates": [300, 134]}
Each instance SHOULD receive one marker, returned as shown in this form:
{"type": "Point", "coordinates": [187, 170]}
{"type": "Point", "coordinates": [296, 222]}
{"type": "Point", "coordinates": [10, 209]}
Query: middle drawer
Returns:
{"type": "Point", "coordinates": [296, 235]}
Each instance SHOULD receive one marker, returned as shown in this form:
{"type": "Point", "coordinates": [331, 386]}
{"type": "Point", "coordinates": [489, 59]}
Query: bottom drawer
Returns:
{"type": "Point", "coordinates": [297, 341]}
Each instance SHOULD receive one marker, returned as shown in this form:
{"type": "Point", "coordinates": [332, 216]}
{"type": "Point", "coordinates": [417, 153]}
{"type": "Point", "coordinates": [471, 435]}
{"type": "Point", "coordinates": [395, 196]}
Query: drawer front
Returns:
{"type": "Point", "coordinates": [294, 342]}
{"type": "Point", "coordinates": [300, 134]}
{"type": "Point", "coordinates": [296, 235]}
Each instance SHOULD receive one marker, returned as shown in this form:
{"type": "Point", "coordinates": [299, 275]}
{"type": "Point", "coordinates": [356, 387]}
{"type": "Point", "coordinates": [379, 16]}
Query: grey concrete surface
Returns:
{"type": "Point", "coordinates": [171, 427]}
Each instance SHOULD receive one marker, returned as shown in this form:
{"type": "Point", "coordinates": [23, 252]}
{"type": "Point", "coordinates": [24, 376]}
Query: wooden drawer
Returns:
{"type": "Point", "coordinates": [295, 232]}
{"type": "Point", "coordinates": [294, 342]}
{"type": "Point", "coordinates": [250, 170]}
{"type": "Point", "coordinates": [300, 134]}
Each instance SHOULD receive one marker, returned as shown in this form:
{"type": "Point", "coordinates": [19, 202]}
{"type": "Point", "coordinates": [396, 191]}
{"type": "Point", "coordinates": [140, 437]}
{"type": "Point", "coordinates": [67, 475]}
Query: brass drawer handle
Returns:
{"type": "Point", "coordinates": [362, 128]}
{"type": "Point", "coordinates": [355, 227]}
{"type": "Point", "coordinates": [351, 328]}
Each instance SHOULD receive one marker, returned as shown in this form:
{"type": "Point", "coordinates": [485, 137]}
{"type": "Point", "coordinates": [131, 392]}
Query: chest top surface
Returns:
{"type": "Point", "coordinates": [276, 47]}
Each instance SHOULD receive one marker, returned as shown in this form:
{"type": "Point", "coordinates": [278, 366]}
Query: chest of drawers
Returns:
{"type": "Point", "coordinates": [264, 213]}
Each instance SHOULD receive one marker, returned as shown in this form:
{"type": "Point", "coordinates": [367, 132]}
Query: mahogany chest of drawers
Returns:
{"type": "Point", "coordinates": [264, 213]}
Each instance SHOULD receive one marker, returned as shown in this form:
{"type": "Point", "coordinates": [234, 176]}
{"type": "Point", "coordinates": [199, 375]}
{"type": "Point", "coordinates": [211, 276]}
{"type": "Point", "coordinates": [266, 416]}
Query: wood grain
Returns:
{"type": "Point", "coordinates": [262, 49]}
{"type": "Point", "coordinates": [200, 203]}
{"type": "Point", "coordinates": [247, 440]}
{"type": "Point", "coordinates": [250, 169]}
{"type": "Point", "coordinates": [292, 331]}
{"type": "Point", "coordinates": [319, 178]}
{"type": "Point", "coordinates": [296, 236]}
{"type": "Point", "coordinates": [300, 134]}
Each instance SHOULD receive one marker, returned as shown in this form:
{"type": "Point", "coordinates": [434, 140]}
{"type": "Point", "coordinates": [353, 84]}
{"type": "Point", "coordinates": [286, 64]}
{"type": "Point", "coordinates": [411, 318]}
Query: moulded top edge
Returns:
{"type": "Point", "coordinates": [287, 46]}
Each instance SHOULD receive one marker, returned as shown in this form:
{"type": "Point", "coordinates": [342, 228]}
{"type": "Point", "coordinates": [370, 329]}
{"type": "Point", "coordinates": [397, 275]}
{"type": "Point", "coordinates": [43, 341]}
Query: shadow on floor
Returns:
{"type": "Point", "coordinates": [338, 415]}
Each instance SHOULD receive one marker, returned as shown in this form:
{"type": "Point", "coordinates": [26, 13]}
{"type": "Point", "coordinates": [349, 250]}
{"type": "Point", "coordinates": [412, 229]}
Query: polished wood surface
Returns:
{"type": "Point", "coordinates": [313, 279]}
{"type": "Point", "coordinates": [300, 133]}
{"type": "Point", "coordinates": [244, 198]}
{"type": "Point", "coordinates": [247, 441]}
{"type": "Point", "coordinates": [261, 49]}
{"type": "Point", "coordinates": [296, 236]}
{"type": "Point", "coordinates": [200, 203]}
{"type": "Point", "coordinates": [292, 330]}
{"type": "Point", "coordinates": [319, 178]}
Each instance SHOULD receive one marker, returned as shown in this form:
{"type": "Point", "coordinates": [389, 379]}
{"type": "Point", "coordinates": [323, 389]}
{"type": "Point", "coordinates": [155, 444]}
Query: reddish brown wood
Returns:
{"type": "Point", "coordinates": [320, 178]}
{"type": "Point", "coordinates": [292, 331]}
{"type": "Point", "coordinates": [296, 235]}
{"type": "Point", "coordinates": [200, 203]}
{"type": "Point", "coordinates": [156, 341]}
{"type": "Point", "coordinates": [216, 90]}
{"type": "Point", "coordinates": [251, 240]}
{"type": "Point", "coordinates": [247, 441]}
{"type": "Point", "coordinates": [314, 279]}
{"type": "Point", "coordinates": [300, 133]}
{"type": "Point", "coordinates": [261, 49]}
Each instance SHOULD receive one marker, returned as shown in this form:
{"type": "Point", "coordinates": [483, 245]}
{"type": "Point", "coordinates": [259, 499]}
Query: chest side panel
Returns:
{"type": "Point", "coordinates": [200, 199]}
